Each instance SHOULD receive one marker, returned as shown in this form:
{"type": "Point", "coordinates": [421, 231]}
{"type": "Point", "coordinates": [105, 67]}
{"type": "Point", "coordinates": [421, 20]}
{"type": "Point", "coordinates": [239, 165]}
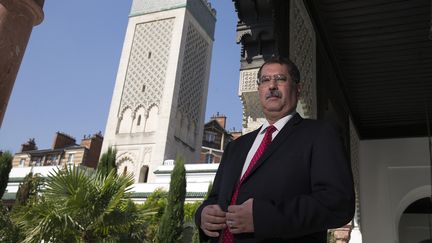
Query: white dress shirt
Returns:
{"type": "Point", "coordinates": [278, 125]}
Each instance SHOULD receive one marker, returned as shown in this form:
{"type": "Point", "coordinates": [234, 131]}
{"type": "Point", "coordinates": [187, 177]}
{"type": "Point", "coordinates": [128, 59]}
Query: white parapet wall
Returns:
{"type": "Point", "coordinates": [198, 178]}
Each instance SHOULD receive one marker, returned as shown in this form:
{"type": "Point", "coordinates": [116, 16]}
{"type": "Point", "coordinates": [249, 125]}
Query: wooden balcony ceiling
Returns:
{"type": "Point", "coordinates": [383, 55]}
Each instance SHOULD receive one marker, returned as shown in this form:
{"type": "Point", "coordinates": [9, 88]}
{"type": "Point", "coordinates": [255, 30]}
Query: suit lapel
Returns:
{"type": "Point", "coordinates": [238, 162]}
{"type": "Point", "coordinates": [283, 135]}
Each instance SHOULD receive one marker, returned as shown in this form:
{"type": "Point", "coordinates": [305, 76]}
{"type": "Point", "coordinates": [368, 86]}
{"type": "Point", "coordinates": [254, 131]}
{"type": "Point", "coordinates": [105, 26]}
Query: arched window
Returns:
{"type": "Point", "coordinates": [415, 216]}
{"type": "Point", "coordinates": [126, 121]}
{"type": "Point", "coordinates": [139, 120]}
{"type": "Point", "coordinates": [138, 124]}
{"type": "Point", "coordinates": [143, 174]}
{"type": "Point", "coordinates": [125, 170]}
{"type": "Point", "coordinates": [152, 120]}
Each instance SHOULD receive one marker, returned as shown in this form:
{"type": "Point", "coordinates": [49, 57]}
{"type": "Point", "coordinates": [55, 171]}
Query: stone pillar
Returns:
{"type": "Point", "coordinates": [255, 33]}
{"type": "Point", "coordinates": [17, 18]}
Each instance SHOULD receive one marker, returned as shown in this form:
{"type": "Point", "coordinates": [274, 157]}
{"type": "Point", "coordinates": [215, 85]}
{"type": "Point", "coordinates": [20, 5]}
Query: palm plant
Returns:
{"type": "Point", "coordinates": [84, 206]}
{"type": "Point", "coordinates": [107, 161]}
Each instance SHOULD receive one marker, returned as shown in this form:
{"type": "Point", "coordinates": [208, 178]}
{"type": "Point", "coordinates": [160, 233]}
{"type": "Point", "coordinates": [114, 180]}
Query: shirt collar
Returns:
{"type": "Point", "coordinates": [279, 124]}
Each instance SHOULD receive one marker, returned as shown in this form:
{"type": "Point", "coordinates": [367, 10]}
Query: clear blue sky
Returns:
{"type": "Point", "coordinates": [66, 79]}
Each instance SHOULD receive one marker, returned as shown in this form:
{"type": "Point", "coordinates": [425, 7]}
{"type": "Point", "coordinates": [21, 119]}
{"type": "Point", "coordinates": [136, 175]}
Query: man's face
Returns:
{"type": "Point", "coordinates": [278, 98]}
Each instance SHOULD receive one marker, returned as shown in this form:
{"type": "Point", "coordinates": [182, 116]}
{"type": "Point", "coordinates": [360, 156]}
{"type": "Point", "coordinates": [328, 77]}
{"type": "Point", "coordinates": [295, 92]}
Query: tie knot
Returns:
{"type": "Point", "coordinates": [270, 129]}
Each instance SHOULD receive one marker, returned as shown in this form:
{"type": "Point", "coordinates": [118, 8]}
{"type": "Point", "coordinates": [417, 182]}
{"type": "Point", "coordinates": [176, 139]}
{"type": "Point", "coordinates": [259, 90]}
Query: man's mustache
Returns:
{"type": "Point", "coordinates": [273, 93]}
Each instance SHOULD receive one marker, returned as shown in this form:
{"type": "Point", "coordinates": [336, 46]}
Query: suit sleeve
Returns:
{"type": "Point", "coordinates": [330, 203]}
{"type": "Point", "coordinates": [213, 196]}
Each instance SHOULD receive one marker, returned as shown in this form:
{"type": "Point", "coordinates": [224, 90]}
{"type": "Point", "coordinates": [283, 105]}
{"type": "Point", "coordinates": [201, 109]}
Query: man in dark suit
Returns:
{"type": "Point", "coordinates": [288, 181]}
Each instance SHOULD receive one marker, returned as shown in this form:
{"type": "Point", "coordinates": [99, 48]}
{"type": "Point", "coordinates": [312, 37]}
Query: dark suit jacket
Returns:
{"type": "Point", "coordinates": [302, 185]}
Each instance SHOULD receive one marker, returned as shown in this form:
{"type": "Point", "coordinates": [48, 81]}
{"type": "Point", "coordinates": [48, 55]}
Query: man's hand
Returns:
{"type": "Point", "coordinates": [212, 220]}
{"type": "Point", "coordinates": [240, 218]}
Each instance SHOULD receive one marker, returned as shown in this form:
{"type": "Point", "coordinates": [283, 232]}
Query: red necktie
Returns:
{"type": "Point", "coordinates": [227, 235]}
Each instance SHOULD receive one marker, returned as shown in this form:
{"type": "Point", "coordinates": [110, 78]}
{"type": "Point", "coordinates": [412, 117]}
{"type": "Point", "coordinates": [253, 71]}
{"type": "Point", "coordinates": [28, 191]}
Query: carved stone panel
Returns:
{"type": "Point", "coordinates": [192, 83]}
{"type": "Point", "coordinates": [147, 66]}
{"type": "Point", "coordinates": [303, 53]}
{"type": "Point", "coordinates": [248, 81]}
{"type": "Point", "coordinates": [193, 75]}
{"type": "Point", "coordinates": [248, 92]}
{"type": "Point", "coordinates": [354, 148]}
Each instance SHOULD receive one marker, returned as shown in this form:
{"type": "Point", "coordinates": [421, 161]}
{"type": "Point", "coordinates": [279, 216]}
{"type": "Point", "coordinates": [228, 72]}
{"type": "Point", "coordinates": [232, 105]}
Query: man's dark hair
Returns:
{"type": "Point", "coordinates": [292, 68]}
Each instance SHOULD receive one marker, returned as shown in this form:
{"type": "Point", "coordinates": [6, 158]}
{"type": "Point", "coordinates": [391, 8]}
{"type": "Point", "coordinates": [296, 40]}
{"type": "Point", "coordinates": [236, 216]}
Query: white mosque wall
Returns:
{"type": "Point", "coordinates": [393, 174]}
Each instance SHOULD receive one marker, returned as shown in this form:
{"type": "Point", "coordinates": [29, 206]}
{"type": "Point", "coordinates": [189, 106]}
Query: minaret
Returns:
{"type": "Point", "coordinates": [17, 19]}
{"type": "Point", "coordinates": [158, 104]}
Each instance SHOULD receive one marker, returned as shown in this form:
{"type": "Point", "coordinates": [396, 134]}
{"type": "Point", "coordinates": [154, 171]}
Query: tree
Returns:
{"type": "Point", "coordinates": [171, 226]}
{"type": "Point", "coordinates": [29, 188]}
{"type": "Point", "coordinates": [26, 197]}
{"type": "Point", "coordinates": [5, 168]}
{"type": "Point", "coordinates": [155, 202]}
{"type": "Point", "coordinates": [190, 232]}
{"type": "Point", "coordinates": [9, 233]}
{"type": "Point", "coordinates": [83, 206]}
{"type": "Point", "coordinates": [107, 162]}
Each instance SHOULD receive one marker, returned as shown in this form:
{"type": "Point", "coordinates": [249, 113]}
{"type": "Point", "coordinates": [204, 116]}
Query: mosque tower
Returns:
{"type": "Point", "coordinates": [158, 104]}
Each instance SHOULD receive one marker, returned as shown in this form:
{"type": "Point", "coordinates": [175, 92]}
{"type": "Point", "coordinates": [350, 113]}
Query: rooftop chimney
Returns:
{"type": "Point", "coordinates": [94, 145]}
{"type": "Point", "coordinates": [62, 140]}
{"type": "Point", "coordinates": [30, 145]}
{"type": "Point", "coordinates": [221, 119]}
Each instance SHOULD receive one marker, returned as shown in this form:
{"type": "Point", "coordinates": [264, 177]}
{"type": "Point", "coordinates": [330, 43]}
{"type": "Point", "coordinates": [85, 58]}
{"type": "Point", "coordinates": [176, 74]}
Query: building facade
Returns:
{"type": "Point", "coordinates": [215, 139]}
{"type": "Point", "coordinates": [158, 103]}
{"type": "Point", "coordinates": [64, 151]}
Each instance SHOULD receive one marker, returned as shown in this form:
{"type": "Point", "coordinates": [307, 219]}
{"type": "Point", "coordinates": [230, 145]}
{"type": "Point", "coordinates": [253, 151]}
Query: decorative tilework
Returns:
{"type": "Point", "coordinates": [302, 51]}
{"type": "Point", "coordinates": [248, 80]}
{"type": "Point", "coordinates": [200, 9]}
{"type": "Point", "coordinates": [147, 65]}
{"type": "Point", "coordinates": [252, 113]}
{"type": "Point", "coordinates": [192, 81]}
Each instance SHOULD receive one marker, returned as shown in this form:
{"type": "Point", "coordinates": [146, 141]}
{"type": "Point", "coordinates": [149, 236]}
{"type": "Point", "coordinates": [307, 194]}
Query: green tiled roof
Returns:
{"type": "Point", "coordinates": [12, 195]}
{"type": "Point", "coordinates": [9, 196]}
{"type": "Point", "coordinates": [188, 194]}
{"type": "Point", "coordinates": [16, 179]}
{"type": "Point", "coordinates": [188, 172]}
